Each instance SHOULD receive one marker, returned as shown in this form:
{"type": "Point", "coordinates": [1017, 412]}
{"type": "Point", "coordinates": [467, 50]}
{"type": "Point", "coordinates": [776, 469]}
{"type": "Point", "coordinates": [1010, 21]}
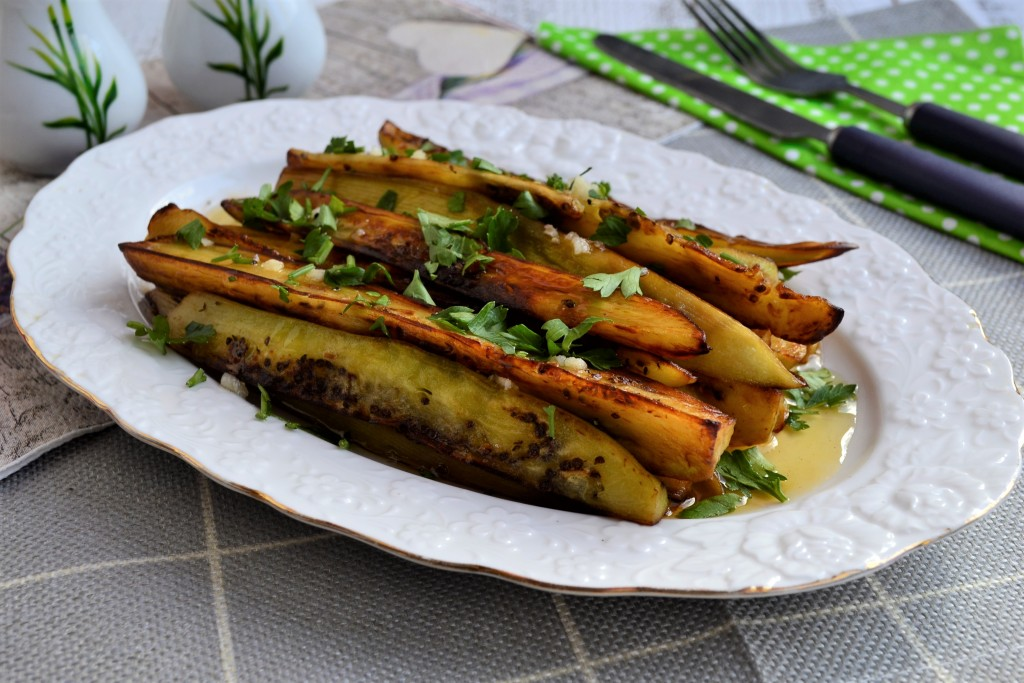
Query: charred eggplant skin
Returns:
{"type": "Point", "coordinates": [426, 398]}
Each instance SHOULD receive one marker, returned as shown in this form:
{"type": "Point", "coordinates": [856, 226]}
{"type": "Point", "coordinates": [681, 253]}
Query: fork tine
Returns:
{"type": "Point", "coordinates": [717, 33]}
{"type": "Point", "coordinates": [741, 35]}
{"type": "Point", "coordinates": [781, 58]}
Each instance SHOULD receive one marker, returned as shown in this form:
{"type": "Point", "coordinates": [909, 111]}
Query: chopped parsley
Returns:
{"type": "Point", "coordinates": [701, 239]}
{"type": "Point", "coordinates": [342, 145]}
{"type": "Point", "coordinates": [560, 337]}
{"type": "Point", "coordinates": [731, 259]}
{"type": "Point", "coordinates": [613, 231]}
{"type": "Point", "coordinates": [378, 325]}
{"type": "Point", "coordinates": [747, 470]}
{"type": "Point", "coordinates": [388, 200]}
{"type": "Point", "coordinates": [600, 190]}
{"type": "Point", "coordinates": [715, 506]}
{"type": "Point", "coordinates": [264, 412]}
{"type": "Point", "coordinates": [454, 156]}
{"type": "Point", "coordinates": [823, 390]}
{"type": "Point", "coordinates": [628, 282]}
{"type": "Point", "coordinates": [555, 182]}
{"type": "Point", "coordinates": [198, 377]}
{"type": "Point", "coordinates": [417, 290]}
{"type": "Point", "coordinates": [192, 233]}
{"type": "Point", "coordinates": [685, 223]}
{"type": "Point", "coordinates": [282, 292]}
{"type": "Point", "coordinates": [550, 412]}
{"type": "Point", "coordinates": [351, 274]}
{"type": "Point", "coordinates": [497, 228]}
{"type": "Point", "coordinates": [457, 202]}
{"type": "Point", "coordinates": [528, 206]}
{"type": "Point", "coordinates": [160, 333]}
{"type": "Point", "coordinates": [232, 255]}
{"type": "Point", "coordinates": [787, 274]}
{"type": "Point", "coordinates": [485, 166]}
{"type": "Point", "coordinates": [293, 277]}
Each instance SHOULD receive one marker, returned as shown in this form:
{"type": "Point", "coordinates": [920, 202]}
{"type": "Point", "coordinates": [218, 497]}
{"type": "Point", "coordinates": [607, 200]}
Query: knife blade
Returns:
{"type": "Point", "coordinates": [990, 199]}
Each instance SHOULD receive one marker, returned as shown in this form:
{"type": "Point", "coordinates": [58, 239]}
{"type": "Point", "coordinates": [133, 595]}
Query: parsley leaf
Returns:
{"type": "Point", "coordinates": [454, 156]}
{"type": "Point", "coordinates": [685, 223]}
{"type": "Point", "coordinates": [445, 238]}
{"type": "Point", "coordinates": [715, 506]}
{"type": "Point", "coordinates": [232, 255]}
{"type": "Point", "coordinates": [378, 324]}
{"type": "Point", "coordinates": [417, 290]}
{"type": "Point", "coordinates": [319, 185]}
{"type": "Point", "coordinates": [457, 202]}
{"type": "Point", "coordinates": [293, 277]}
{"type": "Point", "coordinates": [747, 470]}
{"type": "Point", "coordinates": [701, 239]}
{"type": "Point", "coordinates": [628, 282]}
{"type": "Point", "coordinates": [198, 377]}
{"type": "Point", "coordinates": [497, 227]}
{"type": "Point", "coordinates": [282, 292]}
{"type": "Point", "coordinates": [484, 165]}
{"type": "Point", "coordinates": [264, 412]}
{"type": "Point", "coordinates": [550, 412]}
{"type": "Point", "coordinates": [317, 246]}
{"type": "Point", "coordinates": [600, 190]}
{"type": "Point", "coordinates": [528, 206]}
{"type": "Point", "coordinates": [823, 390]}
{"type": "Point", "coordinates": [560, 337]}
{"type": "Point", "coordinates": [613, 231]}
{"type": "Point", "coordinates": [731, 258]}
{"type": "Point", "coordinates": [600, 358]}
{"type": "Point", "coordinates": [342, 145]}
{"type": "Point", "coordinates": [555, 182]}
{"type": "Point", "coordinates": [192, 233]}
{"type": "Point", "coordinates": [160, 332]}
{"type": "Point", "coordinates": [350, 274]}
{"type": "Point", "coordinates": [787, 274]}
{"type": "Point", "coordinates": [388, 200]}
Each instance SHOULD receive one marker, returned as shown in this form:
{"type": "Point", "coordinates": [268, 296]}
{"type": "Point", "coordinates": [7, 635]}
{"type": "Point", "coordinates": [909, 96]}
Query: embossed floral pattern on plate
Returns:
{"type": "Point", "coordinates": [932, 389]}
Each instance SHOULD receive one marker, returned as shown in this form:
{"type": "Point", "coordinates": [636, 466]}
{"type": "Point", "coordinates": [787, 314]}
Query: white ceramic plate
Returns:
{"type": "Point", "coordinates": [940, 423]}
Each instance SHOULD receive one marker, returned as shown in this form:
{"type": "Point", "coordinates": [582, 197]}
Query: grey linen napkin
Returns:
{"type": "Point", "coordinates": [37, 411]}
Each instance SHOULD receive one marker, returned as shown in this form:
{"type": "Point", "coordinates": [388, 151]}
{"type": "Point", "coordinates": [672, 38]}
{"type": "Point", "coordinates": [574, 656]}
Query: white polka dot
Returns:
{"type": "Point", "coordinates": [645, 78]}
{"type": "Point", "coordinates": [648, 45]}
{"type": "Point", "coordinates": [973, 106]}
{"type": "Point", "coordinates": [605, 68]}
{"type": "Point", "coordinates": [1003, 237]}
{"type": "Point", "coordinates": [856, 182]}
{"type": "Point", "coordinates": [984, 96]}
{"type": "Point", "coordinates": [900, 44]}
{"type": "Point", "coordinates": [948, 223]}
{"type": "Point", "coordinates": [811, 170]}
{"type": "Point", "coordinates": [701, 47]}
{"type": "Point", "coordinates": [570, 38]}
{"type": "Point", "coordinates": [956, 40]}
{"type": "Point", "coordinates": [973, 239]}
{"type": "Point", "coordinates": [943, 57]}
{"type": "Point", "coordinates": [658, 88]}
{"type": "Point", "coordinates": [662, 36]}
{"type": "Point", "coordinates": [1003, 106]}
{"type": "Point", "coordinates": [927, 209]}
{"type": "Point", "coordinates": [792, 154]}
{"type": "Point", "coordinates": [926, 97]}
{"type": "Point", "coordinates": [992, 118]}
{"type": "Point", "coordinates": [928, 42]}
{"type": "Point", "coordinates": [620, 80]}
{"type": "Point", "coordinates": [544, 34]}
{"type": "Point", "coordinates": [714, 113]}
{"type": "Point", "coordinates": [956, 97]}
{"type": "Point", "coordinates": [838, 171]}
{"type": "Point", "coordinates": [1012, 34]}
{"type": "Point", "coordinates": [989, 69]}
{"type": "Point", "coordinates": [673, 101]}
{"type": "Point", "coordinates": [984, 37]}
{"type": "Point", "coordinates": [877, 197]}
{"type": "Point", "coordinates": [730, 127]}
{"type": "Point", "coordinates": [556, 47]}
{"type": "Point", "coordinates": [1000, 52]}
{"type": "Point", "coordinates": [971, 54]}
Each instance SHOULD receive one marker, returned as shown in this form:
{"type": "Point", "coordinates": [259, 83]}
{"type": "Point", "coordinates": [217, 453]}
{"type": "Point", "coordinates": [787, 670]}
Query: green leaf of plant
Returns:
{"type": "Point", "coordinates": [715, 506]}
{"type": "Point", "coordinates": [613, 231]}
{"type": "Point", "coordinates": [67, 122]}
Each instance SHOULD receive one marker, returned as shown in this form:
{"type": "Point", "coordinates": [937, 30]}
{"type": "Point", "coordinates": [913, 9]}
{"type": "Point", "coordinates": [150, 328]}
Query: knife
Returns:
{"type": "Point", "coordinates": [990, 199]}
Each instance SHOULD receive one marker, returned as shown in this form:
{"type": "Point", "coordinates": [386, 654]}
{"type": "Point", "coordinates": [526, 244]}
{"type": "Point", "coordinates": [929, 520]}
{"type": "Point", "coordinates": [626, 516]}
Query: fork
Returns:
{"type": "Point", "coordinates": [999, 149]}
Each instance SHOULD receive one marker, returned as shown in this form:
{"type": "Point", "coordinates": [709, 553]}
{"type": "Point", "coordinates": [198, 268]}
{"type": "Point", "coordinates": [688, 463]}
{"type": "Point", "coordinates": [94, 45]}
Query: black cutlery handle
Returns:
{"type": "Point", "coordinates": [995, 147]}
{"type": "Point", "coordinates": [994, 201]}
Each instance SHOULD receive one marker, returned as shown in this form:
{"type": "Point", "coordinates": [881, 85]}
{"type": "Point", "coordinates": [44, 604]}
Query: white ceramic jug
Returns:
{"type": "Point", "coordinates": [68, 81]}
{"type": "Point", "coordinates": [223, 51]}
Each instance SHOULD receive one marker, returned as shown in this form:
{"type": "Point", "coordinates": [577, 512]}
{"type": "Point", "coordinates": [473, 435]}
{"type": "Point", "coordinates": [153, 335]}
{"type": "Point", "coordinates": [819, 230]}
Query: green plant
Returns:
{"type": "Point", "coordinates": [241, 20]}
{"type": "Point", "coordinates": [71, 70]}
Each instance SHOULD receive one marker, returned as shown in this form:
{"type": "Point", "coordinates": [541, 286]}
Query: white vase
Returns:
{"type": "Point", "coordinates": [202, 49]}
{"type": "Point", "coordinates": [44, 124]}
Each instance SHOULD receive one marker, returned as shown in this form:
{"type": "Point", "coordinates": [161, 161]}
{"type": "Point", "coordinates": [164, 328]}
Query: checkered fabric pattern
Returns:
{"type": "Point", "coordinates": [119, 562]}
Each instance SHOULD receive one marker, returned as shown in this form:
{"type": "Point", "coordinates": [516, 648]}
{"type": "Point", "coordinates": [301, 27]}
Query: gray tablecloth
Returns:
{"type": "Point", "coordinates": [119, 562]}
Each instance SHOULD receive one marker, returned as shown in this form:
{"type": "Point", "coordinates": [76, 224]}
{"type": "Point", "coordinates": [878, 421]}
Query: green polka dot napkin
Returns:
{"type": "Point", "coordinates": [979, 73]}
